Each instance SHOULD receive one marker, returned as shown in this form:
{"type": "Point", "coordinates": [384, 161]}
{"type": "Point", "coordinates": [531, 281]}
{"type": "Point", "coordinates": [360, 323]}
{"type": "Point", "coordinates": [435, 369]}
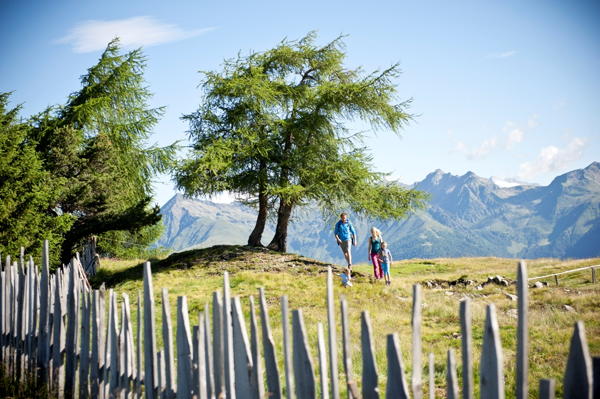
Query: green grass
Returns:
{"type": "Point", "coordinates": [197, 274]}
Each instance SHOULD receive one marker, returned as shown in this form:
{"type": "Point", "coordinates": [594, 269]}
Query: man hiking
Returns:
{"type": "Point", "coordinates": [345, 235]}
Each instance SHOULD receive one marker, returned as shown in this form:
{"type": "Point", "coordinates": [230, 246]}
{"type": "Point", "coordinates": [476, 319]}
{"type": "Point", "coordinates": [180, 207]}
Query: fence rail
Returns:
{"type": "Point", "coordinates": [555, 275]}
{"type": "Point", "coordinates": [55, 333]}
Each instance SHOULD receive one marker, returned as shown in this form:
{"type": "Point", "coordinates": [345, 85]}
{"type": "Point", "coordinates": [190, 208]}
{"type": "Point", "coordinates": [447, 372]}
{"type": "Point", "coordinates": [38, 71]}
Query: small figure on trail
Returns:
{"type": "Point", "coordinates": [345, 235]}
{"type": "Point", "coordinates": [385, 259]}
{"type": "Point", "coordinates": [374, 246]}
{"type": "Point", "coordinates": [346, 278]}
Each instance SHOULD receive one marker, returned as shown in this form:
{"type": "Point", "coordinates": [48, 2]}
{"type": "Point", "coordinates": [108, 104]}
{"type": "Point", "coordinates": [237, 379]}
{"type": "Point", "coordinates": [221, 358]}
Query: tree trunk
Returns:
{"type": "Point", "coordinates": [279, 242]}
{"type": "Point", "coordinates": [261, 221]}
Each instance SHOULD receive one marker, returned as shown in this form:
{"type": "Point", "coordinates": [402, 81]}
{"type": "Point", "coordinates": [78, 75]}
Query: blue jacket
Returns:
{"type": "Point", "coordinates": [345, 231]}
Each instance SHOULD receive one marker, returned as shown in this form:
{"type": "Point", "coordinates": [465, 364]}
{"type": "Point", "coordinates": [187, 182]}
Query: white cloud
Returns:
{"type": "Point", "coordinates": [552, 158]}
{"type": "Point", "coordinates": [515, 136]}
{"type": "Point", "coordinates": [504, 54]}
{"type": "Point", "coordinates": [478, 152]}
{"type": "Point", "coordinates": [94, 35]}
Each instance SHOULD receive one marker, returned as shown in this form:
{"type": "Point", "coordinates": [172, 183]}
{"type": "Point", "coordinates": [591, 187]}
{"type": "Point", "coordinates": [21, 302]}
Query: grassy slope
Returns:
{"type": "Point", "coordinates": [198, 273]}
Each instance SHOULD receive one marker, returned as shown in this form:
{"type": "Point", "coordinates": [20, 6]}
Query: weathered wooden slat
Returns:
{"type": "Point", "coordinates": [287, 358]}
{"type": "Point", "coordinates": [208, 347]}
{"type": "Point", "coordinates": [20, 309]}
{"type": "Point", "coordinates": [72, 330]}
{"type": "Point", "coordinates": [97, 355]}
{"type": "Point", "coordinates": [84, 359]}
{"type": "Point", "coordinates": [491, 380]}
{"type": "Point", "coordinates": [522, 332]}
{"type": "Point", "coordinates": [396, 383]}
{"type": "Point", "coordinates": [228, 339]}
{"type": "Point", "coordinates": [271, 368]}
{"type": "Point", "coordinates": [127, 353]}
{"type": "Point", "coordinates": [184, 350]}
{"type": "Point", "coordinates": [218, 353]}
{"type": "Point", "coordinates": [547, 389]}
{"type": "Point", "coordinates": [2, 328]}
{"type": "Point", "coordinates": [243, 366]}
{"type": "Point", "coordinates": [417, 378]}
{"type": "Point", "coordinates": [257, 383]}
{"type": "Point", "coordinates": [112, 347]}
{"type": "Point", "coordinates": [322, 362]}
{"type": "Point", "coordinates": [58, 375]}
{"type": "Point", "coordinates": [160, 375]}
{"type": "Point", "coordinates": [431, 376]}
{"type": "Point", "coordinates": [578, 380]}
{"type": "Point", "coordinates": [370, 379]}
{"type": "Point", "coordinates": [199, 360]}
{"type": "Point", "coordinates": [451, 378]}
{"type": "Point", "coordinates": [304, 375]}
{"type": "Point", "coordinates": [168, 353]}
{"type": "Point", "coordinates": [333, 358]}
{"type": "Point", "coordinates": [351, 385]}
{"type": "Point", "coordinates": [467, 348]}
{"type": "Point", "coordinates": [150, 365]}
{"type": "Point", "coordinates": [139, 375]}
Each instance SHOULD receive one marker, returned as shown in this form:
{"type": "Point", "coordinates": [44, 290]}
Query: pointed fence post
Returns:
{"type": "Point", "coordinates": [431, 376]}
{"type": "Point", "coordinates": [491, 380]}
{"type": "Point", "coordinates": [304, 375]}
{"type": "Point", "coordinates": [370, 379]}
{"type": "Point", "coordinates": [467, 348]}
{"type": "Point", "coordinates": [208, 348]}
{"type": "Point", "coordinates": [522, 332]}
{"type": "Point", "coordinates": [44, 334]}
{"type": "Point", "coordinates": [184, 350]}
{"type": "Point", "coordinates": [72, 330]}
{"type": "Point", "coordinates": [547, 389]}
{"type": "Point", "coordinates": [274, 388]}
{"type": "Point", "coordinates": [396, 383]}
{"type": "Point", "coordinates": [322, 361]}
{"type": "Point", "coordinates": [333, 358]}
{"type": "Point", "coordinates": [199, 360]}
{"type": "Point", "coordinates": [140, 348]}
{"type": "Point", "coordinates": [97, 358]}
{"type": "Point", "coordinates": [347, 353]}
{"type": "Point", "coordinates": [287, 358]}
{"type": "Point", "coordinates": [228, 339]}
{"type": "Point", "coordinates": [451, 379]}
{"type": "Point", "coordinates": [242, 355]}
{"type": "Point", "coordinates": [416, 380]}
{"type": "Point", "coordinates": [128, 372]}
{"type": "Point", "coordinates": [58, 371]}
{"type": "Point", "coordinates": [84, 360]}
{"type": "Point", "coordinates": [168, 353]}
{"type": "Point", "coordinates": [112, 347]}
{"type": "Point", "coordinates": [218, 353]}
{"type": "Point", "coordinates": [150, 361]}
{"type": "Point", "coordinates": [257, 376]}
{"type": "Point", "coordinates": [578, 380]}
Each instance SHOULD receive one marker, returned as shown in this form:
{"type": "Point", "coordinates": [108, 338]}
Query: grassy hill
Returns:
{"type": "Point", "coordinates": [198, 273]}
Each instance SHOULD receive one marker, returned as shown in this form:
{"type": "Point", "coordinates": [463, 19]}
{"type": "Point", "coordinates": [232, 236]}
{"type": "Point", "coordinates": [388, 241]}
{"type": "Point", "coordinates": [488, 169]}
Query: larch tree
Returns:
{"type": "Point", "coordinates": [273, 126]}
{"type": "Point", "coordinates": [97, 143]}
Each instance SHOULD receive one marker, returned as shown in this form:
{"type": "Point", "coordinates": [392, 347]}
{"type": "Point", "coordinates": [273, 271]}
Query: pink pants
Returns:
{"type": "Point", "coordinates": [376, 266]}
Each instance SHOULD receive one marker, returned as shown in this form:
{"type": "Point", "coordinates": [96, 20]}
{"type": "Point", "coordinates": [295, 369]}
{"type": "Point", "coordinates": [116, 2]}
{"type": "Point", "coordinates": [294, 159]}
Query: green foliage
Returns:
{"type": "Point", "coordinates": [273, 124]}
{"type": "Point", "coordinates": [91, 163]}
{"type": "Point", "coordinates": [131, 245]}
{"type": "Point", "coordinates": [27, 191]}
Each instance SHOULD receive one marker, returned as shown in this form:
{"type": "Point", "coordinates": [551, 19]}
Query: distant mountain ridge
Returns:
{"type": "Point", "coordinates": [466, 216]}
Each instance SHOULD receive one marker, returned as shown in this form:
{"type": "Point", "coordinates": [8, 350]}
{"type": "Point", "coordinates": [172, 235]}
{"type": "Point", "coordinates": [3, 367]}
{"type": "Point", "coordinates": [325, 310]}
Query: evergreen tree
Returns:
{"type": "Point", "coordinates": [97, 143]}
{"type": "Point", "coordinates": [27, 191]}
{"type": "Point", "coordinates": [272, 127]}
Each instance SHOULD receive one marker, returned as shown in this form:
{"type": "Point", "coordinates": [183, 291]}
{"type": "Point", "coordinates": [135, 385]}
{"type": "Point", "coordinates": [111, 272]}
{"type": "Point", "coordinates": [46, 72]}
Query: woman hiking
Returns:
{"type": "Point", "coordinates": [374, 247]}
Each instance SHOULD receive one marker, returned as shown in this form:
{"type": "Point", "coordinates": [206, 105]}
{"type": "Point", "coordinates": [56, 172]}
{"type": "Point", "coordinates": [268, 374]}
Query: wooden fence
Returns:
{"type": "Point", "coordinates": [57, 333]}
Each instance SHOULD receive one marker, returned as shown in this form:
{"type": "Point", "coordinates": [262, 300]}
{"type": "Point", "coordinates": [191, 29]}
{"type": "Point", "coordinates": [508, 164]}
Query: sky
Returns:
{"type": "Point", "coordinates": [508, 89]}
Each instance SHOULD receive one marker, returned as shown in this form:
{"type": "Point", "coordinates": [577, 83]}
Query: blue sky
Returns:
{"type": "Point", "coordinates": [508, 89]}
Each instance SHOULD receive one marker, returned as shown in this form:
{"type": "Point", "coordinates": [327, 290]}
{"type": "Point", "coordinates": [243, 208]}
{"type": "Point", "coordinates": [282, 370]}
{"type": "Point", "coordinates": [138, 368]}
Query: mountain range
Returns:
{"type": "Point", "coordinates": [465, 216]}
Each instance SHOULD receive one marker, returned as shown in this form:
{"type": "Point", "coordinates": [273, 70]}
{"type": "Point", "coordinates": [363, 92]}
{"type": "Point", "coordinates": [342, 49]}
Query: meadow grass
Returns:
{"type": "Point", "coordinates": [389, 307]}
